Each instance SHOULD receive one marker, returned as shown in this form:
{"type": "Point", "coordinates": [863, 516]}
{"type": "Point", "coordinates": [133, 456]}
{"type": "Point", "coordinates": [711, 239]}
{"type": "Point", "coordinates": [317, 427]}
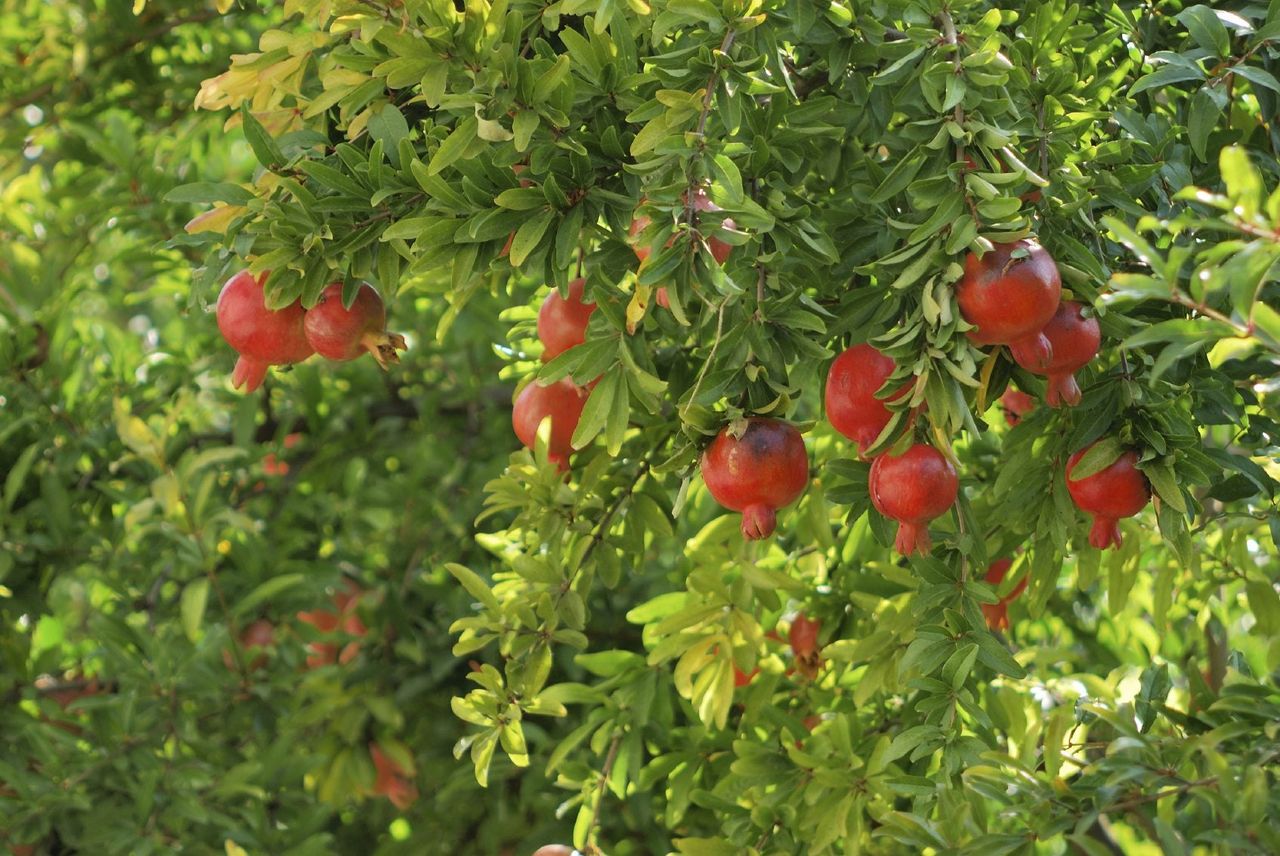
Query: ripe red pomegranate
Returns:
{"type": "Point", "coordinates": [339, 333]}
{"type": "Point", "coordinates": [756, 468]}
{"type": "Point", "coordinates": [913, 488]}
{"type": "Point", "coordinates": [1120, 490]}
{"type": "Point", "coordinates": [997, 614]}
{"type": "Point", "coordinates": [260, 336]}
{"type": "Point", "coordinates": [852, 383]}
{"type": "Point", "coordinates": [1015, 404]}
{"type": "Point", "coordinates": [563, 402]}
{"type": "Point", "coordinates": [391, 780]}
{"type": "Point", "coordinates": [701, 202]}
{"type": "Point", "coordinates": [254, 642]}
{"type": "Point", "coordinates": [562, 323]}
{"type": "Point", "coordinates": [1009, 300]}
{"type": "Point", "coordinates": [1074, 339]}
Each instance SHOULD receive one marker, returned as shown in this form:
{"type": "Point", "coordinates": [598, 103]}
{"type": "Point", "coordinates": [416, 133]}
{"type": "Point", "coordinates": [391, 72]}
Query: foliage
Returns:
{"type": "Point", "coordinates": [461, 158]}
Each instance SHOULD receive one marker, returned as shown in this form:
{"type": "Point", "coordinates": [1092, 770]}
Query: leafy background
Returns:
{"type": "Point", "coordinates": [577, 640]}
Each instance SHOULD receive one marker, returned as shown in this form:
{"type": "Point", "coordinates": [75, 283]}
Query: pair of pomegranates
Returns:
{"type": "Point", "coordinates": [562, 324]}
{"type": "Point", "coordinates": [264, 337]}
{"type": "Point", "coordinates": [912, 488]}
{"type": "Point", "coordinates": [1012, 296]}
{"type": "Point", "coordinates": [718, 248]}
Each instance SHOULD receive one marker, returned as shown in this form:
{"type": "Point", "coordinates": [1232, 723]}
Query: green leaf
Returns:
{"type": "Point", "coordinates": [1164, 76]}
{"type": "Point", "coordinates": [195, 596]}
{"type": "Point", "coordinates": [1202, 119]}
{"type": "Point", "coordinates": [454, 146]}
{"type": "Point", "coordinates": [205, 192]}
{"type": "Point", "coordinates": [551, 79]}
{"type": "Point", "coordinates": [389, 127]}
{"type": "Point", "coordinates": [265, 149]}
{"type": "Point", "coordinates": [265, 592]}
{"type": "Point", "coordinates": [598, 409]}
{"type": "Point", "coordinates": [529, 235]}
{"type": "Point", "coordinates": [1203, 25]}
{"type": "Point", "coordinates": [1265, 605]}
{"type": "Point", "coordinates": [1100, 456]}
{"type": "Point", "coordinates": [1244, 184]}
{"type": "Point", "coordinates": [474, 585]}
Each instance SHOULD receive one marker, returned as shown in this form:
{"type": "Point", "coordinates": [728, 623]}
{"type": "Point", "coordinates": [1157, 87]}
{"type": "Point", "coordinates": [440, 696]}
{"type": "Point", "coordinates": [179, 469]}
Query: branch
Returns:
{"type": "Point", "coordinates": [609, 760]}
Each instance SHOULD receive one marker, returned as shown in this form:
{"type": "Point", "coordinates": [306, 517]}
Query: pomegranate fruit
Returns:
{"type": "Point", "coordinates": [254, 642]}
{"type": "Point", "coordinates": [1015, 404]}
{"type": "Point", "coordinates": [804, 635]}
{"type": "Point", "coordinates": [562, 401]}
{"type": "Point", "coordinates": [338, 333]}
{"type": "Point", "coordinates": [701, 202]}
{"type": "Point", "coordinates": [562, 322]}
{"type": "Point", "coordinates": [997, 614]}
{"type": "Point", "coordinates": [555, 850]}
{"type": "Point", "coordinates": [260, 336]}
{"type": "Point", "coordinates": [852, 383]}
{"type": "Point", "coordinates": [1120, 490]}
{"type": "Point", "coordinates": [391, 780]}
{"type": "Point", "coordinates": [756, 468]}
{"type": "Point", "coordinates": [804, 644]}
{"type": "Point", "coordinates": [1010, 299]}
{"type": "Point", "coordinates": [913, 488]}
{"type": "Point", "coordinates": [1074, 340]}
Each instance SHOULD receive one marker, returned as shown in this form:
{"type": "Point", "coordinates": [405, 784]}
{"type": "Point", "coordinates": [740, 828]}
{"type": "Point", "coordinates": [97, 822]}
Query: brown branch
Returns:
{"type": "Point", "coordinates": [609, 760]}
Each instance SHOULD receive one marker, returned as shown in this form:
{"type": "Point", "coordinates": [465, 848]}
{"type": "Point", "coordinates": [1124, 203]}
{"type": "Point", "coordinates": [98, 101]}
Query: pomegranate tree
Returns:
{"type": "Point", "coordinates": [913, 488]}
{"type": "Point", "coordinates": [1074, 339]}
{"type": "Point", "coordinates": [1117, 491]}
{"type": "Point", "coordinates": [339, 333]}
{"type": "Point", "coordinates": [562, 322]}
{"type": "Point", "coordinates": [562, 402]}
{"type": "Point", "coordinates": [756, 467]}
{"type": "Point", "coordinates": [261, 336]}
{"type": "Point", "coordinates": [1009, 294]}
{"type": "Point", "coordinates": [852, 383]}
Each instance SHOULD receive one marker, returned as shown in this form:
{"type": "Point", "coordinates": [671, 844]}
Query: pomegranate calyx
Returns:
{"type": "Point", "coordinates": [758, 521]}
{"type": "Point", "coordinates": [1105, 533]}
{"type": "Point", "coordinates": [1033, 352]}
{"type": "Point", "coordinates": [913, 538]}
{"type": "Point", "coordinates": [383, 347]}
{"type": "Point", "coordinates": [248, 373]}
{"type": "Point", "coordinates": [1063, 389]}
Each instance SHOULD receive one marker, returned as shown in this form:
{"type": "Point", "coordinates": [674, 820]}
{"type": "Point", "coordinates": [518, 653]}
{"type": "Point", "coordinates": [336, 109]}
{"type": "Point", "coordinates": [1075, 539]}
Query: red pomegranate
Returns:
{"type": "Point", "coordinates": [563, 402]}
{"type": "Point", "coordinates": [1120, 490]}
{"type": "Point", "coordinates": [756, 468]}
{"type": "Point", "coordinates": [343, 619]}
{"type": "Point", "coordinates": [260, 336]}
{"type": "Point", "coordinates": [804, 635]}
{"type": "Point", "coordinates": [913, 488]}
{"type": "Point", "coordinates": [562, 323]}
{"type": "Point", "coordinates": [852, 383]}
{"type": "Point", "coordinates": [997, 614]}
{"type": "Point", "coordinates": [391, 780]}
{"type": "Point", "coordinates": [1009, 300]}
{"type": "Point", "coordinates": [701, 202]}
{"type": "Point", "coordinates": [254, 642]}
{"type": "Point", "coordinates": [339, 333]}
{"type": "Point", "coordinates": [1074, 340]}
{"type": "Point", "coordinates": [1015, 404]}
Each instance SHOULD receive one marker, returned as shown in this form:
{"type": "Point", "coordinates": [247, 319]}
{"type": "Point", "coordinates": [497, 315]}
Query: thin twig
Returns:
{"type": "Point", "coordinates": [607, 771]}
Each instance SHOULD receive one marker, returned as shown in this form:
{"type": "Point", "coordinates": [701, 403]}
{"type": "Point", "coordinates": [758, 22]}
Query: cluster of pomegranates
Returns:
{"type": "Point", "coordinates": [264, 337]}
{"type": "Point", "coordinates": [562, 324]}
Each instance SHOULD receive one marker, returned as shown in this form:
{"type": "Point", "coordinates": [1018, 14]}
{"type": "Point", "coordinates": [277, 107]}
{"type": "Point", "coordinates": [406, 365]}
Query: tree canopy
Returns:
{"type": "Point", "coordinates": [353, 609]}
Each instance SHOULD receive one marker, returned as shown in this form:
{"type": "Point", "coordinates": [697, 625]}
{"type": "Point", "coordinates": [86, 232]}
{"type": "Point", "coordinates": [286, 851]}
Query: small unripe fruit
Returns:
{"type": "Point", "coordinates": [997, 614]}
{"type": "Point", "coordinates": [1074, 340]}
{"type": "Point", "coordinates": [339, 333]}
{"type": "Point", "coordinates": [262, 337]}
{"type": "Point", "coordinates": [1009, 298]}
{"type": "Point", "coordinates": [1120, 490]}
{"type": "Point", "coordinates": [758, 471]}
{"type": "Point", "coordinates": [562, 322]}
{"type": "Point", "coordinates": [913, 488]}
{"type": "Point", "coordinates": [562, 401]}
